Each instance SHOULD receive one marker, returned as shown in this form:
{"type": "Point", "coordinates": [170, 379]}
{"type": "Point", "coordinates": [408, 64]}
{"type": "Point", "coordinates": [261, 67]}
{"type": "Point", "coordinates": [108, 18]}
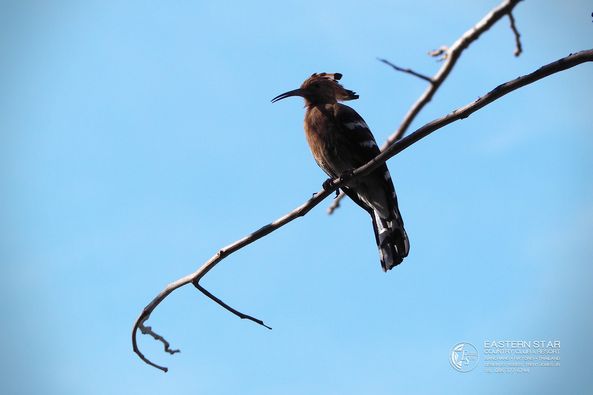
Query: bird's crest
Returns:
{"type": "Point", "coordinates": [328, 82]}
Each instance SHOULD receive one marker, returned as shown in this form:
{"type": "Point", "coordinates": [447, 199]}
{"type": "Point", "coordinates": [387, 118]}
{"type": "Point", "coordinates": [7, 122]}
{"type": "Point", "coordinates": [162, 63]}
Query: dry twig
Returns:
{"type": "Point", "coordinates": [227, 307]}
{"type": "Point", "coordinates": [518, 46]}
{"type": "Point", "coordinates": [460, 113]}
{"type": "Point", "coordinates": [406, 70]}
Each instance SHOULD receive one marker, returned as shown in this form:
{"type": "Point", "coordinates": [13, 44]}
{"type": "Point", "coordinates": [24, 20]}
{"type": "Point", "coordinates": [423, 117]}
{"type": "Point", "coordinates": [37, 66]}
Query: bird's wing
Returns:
{"type": "Point", "coordinates": [357, 143]}
{"type": "Point", "coordinates": [374, 191]}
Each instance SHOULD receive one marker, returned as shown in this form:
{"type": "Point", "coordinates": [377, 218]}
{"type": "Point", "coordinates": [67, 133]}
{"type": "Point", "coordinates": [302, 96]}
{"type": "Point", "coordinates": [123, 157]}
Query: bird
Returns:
{"type": "Point", "coordinates": [340, 142]}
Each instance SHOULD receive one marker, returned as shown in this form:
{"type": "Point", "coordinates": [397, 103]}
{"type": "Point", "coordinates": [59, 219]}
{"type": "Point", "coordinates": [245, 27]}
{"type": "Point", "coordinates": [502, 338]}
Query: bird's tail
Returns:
{"type": "Point", "coordinates": [392, 240]}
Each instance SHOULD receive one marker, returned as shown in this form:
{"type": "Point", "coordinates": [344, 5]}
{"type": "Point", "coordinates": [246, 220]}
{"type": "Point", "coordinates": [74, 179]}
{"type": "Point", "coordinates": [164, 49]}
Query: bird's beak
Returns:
{"type": "Point", "coordinates": [296, 92]}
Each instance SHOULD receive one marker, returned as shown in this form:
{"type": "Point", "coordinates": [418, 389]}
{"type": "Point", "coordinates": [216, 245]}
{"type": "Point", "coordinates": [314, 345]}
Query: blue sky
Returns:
{"type": "Point", "coordinates": [137, 138]}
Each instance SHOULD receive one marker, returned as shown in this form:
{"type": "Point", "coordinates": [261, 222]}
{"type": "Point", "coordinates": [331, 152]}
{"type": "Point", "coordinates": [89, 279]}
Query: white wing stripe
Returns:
{"type": "Point", "coordinates": [368, 143]}
{"type": "Point", "coordinates": [356, 125]}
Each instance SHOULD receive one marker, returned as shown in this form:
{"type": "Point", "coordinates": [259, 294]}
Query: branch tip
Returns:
{"type": "Point", "coordinates": [139, 324]}
{"type": "Point", "coordinates": [236, 312]}
{"type": "Point", "coordinates": [406, 70]}
{"type": "Point", "coordinates": [518, 46]}
{"type": "Point", "coordinates": [441, 53]}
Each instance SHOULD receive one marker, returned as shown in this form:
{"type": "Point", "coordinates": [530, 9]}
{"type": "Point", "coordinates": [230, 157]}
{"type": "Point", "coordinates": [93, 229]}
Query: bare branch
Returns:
{"type": "Point", "coordinates": [227, 307]}
{"type": "Point", "coordinates": [460, 113]}
{"type": "Point", "coordinates": [450, 55]}
{"type": "Point", "coordinates": [407, 70]}
{"type": "Point", "coordinates": [518, 46]}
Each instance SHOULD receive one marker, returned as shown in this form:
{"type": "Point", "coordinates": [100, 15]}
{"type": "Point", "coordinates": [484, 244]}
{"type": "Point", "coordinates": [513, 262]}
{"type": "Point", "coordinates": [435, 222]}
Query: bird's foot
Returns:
{"type": "Point", "coordinates": [346, 175]}
{"type": "Point", "coordinates": [327, 185]}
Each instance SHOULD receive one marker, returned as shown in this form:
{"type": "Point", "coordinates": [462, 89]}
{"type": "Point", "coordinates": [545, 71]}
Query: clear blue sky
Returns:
{"type": "Point", "coordinates": [137, 138]}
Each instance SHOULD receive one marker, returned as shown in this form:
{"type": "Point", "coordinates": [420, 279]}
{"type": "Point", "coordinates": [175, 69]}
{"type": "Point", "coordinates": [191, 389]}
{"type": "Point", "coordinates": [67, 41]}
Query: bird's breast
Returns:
{"type": "Point", "coordinates": [322, 135]}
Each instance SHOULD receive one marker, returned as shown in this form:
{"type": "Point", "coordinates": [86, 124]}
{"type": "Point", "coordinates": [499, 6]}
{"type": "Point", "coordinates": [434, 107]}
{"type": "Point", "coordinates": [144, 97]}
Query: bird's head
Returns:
{"type": "Point", "coordinates": [322, 88]}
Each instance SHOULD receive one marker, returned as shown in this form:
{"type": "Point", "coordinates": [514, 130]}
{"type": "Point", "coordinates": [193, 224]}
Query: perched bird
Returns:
{"type": "Point", "coordinates": [341, 141]}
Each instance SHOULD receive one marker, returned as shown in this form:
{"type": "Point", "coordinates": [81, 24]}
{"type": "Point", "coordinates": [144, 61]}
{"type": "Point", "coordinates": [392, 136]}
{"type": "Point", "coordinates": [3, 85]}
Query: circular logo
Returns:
{"type": "Point", "coordinates": [463, 357]}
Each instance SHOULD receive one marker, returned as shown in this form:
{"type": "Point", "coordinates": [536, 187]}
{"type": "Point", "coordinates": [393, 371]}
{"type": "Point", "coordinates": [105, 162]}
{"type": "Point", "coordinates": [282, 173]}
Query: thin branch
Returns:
{"type": "Point", "coordinates": [406, 70]}
{"type": "Point", "coordinates": [518, 46]}
{"type": "Point", "coordinates": [460, 113]}
{"type": "Point", "coordinates": [227, 307]}
{"type": "Point", "coordinates": [450, 55]}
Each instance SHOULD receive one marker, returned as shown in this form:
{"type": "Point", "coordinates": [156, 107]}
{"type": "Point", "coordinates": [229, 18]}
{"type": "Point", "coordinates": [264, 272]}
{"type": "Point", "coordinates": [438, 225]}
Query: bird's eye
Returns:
{"type": "Point", "coordinates": [315, 86]}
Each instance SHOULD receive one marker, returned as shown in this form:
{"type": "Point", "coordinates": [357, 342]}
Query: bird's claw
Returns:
{"type": "Point", "coordinates": [346, 175]}
{"type": "Point", "coordinates": [327, 183]}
